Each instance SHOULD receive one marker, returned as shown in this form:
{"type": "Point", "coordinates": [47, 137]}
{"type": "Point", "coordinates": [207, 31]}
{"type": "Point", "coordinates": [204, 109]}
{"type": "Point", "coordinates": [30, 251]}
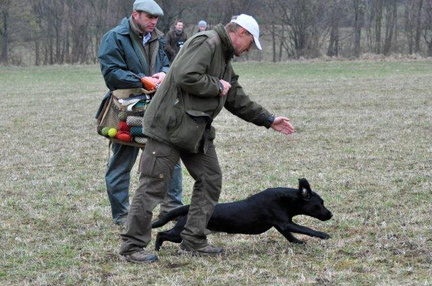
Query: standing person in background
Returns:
{"type": "Point", "coordinates": [202, 26]}
{"type": "Point", "coordinates": [200, 83]}
{"type": "Point", "coordinates": [175, 40]}
{"type": "Point", "coordinates": [128, 53]}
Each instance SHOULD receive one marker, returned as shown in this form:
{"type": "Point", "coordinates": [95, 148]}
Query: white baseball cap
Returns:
{"type": "Point", "coordinates": [250, 24]}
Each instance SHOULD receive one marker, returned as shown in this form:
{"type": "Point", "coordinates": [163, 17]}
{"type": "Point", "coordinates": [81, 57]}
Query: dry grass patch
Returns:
{"type": "Point", "coordinates": [363, 142]}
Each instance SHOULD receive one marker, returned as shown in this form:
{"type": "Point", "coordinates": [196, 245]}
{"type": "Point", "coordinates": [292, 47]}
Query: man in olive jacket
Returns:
{"type": "Point", "coordinates": [200, 83]}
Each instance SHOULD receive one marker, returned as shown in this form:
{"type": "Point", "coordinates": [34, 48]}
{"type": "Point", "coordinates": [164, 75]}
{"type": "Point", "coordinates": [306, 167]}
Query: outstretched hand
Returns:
{"type": "Point", "coordinates": [282, 125]}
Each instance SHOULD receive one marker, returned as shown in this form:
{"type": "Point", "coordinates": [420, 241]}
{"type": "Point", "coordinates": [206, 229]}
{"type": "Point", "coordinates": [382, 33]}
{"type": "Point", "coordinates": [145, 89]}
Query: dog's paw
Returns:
{"type": "Point", "coordinates": [324, 235]}
{"type": "Point", "coordinates": [297, 241]}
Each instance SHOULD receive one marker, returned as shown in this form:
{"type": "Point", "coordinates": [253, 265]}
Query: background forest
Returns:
{"type": "Point", "coordinates": [46, 32]}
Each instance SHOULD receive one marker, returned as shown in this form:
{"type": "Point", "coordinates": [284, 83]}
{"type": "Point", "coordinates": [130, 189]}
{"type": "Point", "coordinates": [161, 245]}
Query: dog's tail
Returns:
{"type": "Point", "coordinates": [180, 211]}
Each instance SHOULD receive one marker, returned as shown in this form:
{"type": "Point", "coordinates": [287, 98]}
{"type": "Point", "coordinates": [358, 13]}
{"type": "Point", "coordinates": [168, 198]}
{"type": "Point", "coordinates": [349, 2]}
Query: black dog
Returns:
{"type": "Point", "coordinates": [274, 207]}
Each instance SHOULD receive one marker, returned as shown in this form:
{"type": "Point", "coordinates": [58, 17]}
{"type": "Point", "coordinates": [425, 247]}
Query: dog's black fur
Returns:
{"type": "Point", "coordinates": [273, 207]}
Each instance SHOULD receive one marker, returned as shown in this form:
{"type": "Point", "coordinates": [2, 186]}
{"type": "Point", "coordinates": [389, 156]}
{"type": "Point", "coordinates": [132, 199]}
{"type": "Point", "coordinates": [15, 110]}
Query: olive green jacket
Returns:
{"type": "Point", "coordinates": [191, 91]}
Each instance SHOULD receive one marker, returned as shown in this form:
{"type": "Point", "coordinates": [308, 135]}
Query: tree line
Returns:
{"type": "Point", "coordinates": [46, 32]}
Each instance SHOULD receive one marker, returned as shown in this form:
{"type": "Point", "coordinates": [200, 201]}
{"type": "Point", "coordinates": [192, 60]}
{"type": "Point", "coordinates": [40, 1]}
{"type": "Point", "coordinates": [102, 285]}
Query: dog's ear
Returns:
{"type": "Point", "coordinates": [303, 183]}
{"type": "Point", "coordinates": [304, 189]}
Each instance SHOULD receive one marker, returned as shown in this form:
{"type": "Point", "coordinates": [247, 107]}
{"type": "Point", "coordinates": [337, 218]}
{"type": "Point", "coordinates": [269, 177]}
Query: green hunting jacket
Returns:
{"type": "Point", "coordinates": [122, 57]}
{"type": "Point", "coordinates": [192, 84]}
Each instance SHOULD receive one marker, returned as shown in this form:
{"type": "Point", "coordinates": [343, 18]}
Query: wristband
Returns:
{"type": "Point", "coordinates": [271, 119]}
{"type": "Point", "coordinates": [220, 87]}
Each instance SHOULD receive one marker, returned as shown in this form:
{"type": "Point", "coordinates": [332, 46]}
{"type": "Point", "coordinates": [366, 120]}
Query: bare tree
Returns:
{"type": "Point", "coordinates": [301, 19]}
{"type": "Point", "coordinates": [334, 16]}
{"type": "Point", "coordinates": [359, 12]}
{"type": "Point", "coordinates": [390, 19]}
{"type": "Point", "coordinates": [273, 27]}
{"type": "Point", "coordinates": [4, 30]}
{"type": "Point", "coordinates": [78, 17]}
{"type": "Point", "coordinates": [418, 25]}
{"type": "Point", "coordinates": [413, 24]}
{"type": "Point", "coordinates": [427, 27]}
{"type": "Point", "coordinates": [69, 31]}
{"type": "Point", "coordinates": [173, 10]}
{"type": "Point", "coordinates": [49, 16]}
{"type": "Point", "coordinates": [378, 13]}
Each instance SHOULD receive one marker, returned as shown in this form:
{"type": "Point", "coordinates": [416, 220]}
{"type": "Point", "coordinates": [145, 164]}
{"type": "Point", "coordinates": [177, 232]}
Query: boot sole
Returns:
{"type": "Point", "coordinates": [150, 260]}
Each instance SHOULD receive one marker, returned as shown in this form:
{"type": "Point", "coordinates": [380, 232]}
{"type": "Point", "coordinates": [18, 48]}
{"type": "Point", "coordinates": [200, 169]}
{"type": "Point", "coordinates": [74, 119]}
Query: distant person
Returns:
{"type": "Point", "coordinates": [175, 40]}
{"type": "Point", "coordinates": [202, 26]}
{"type": "Point", "coordinates": [200, 83]}
{"type": "Point", "coordinates": [129, 52]}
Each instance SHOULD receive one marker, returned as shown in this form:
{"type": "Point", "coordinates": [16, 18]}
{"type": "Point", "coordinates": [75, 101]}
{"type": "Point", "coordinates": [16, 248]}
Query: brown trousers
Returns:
{"type": "Point", "coordinates": [157, 165]}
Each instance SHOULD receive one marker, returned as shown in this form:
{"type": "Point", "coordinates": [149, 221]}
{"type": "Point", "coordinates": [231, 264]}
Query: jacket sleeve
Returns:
{"type": "Point", "coordinates": [113, 65]}
{"type": "Point", "coordinates": [164, 62]}
{"type": "Point", "coordinates": [239, 104]}
{"type": "Point", "coordinates": [168, 48]}
{"type": "Point", "coordinates": [192, 64]}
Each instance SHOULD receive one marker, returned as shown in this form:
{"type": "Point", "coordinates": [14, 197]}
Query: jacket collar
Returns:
{"type": "Point", "coordinates": [134, 28]}
{"type": "Point", "coordinates": [155, 35]}
{"type": "Point", "coordinates": [226, 41]}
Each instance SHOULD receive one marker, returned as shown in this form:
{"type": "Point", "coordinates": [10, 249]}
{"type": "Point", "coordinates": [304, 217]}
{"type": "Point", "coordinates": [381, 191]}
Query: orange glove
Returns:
{"type": "Point", "coordinates": [149, 83]}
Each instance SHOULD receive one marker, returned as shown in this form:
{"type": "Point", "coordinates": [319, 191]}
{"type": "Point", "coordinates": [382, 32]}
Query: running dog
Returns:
{"type": "Point", "coordinates": [273, 207]}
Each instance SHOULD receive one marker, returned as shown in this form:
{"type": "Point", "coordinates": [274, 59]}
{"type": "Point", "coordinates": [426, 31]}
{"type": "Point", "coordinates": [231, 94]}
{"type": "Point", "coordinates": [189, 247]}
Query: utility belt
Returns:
{"type": "Point", "coordinates": [120, 116]}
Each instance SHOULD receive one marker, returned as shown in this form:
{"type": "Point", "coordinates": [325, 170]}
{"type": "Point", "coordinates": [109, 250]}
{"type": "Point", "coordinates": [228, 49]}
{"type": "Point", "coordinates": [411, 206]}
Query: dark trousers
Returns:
{"type": "Point", "coordinates": [157, 166]}
{"type": "Point", "coordinates": [117, 180]}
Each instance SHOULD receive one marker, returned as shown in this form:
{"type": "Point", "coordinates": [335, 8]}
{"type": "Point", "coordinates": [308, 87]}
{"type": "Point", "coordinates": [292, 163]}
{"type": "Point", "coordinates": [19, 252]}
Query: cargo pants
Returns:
{"type": "Point", "coordinates": [117, 180]}
{"type": "Point", "coordinates": [157, 165]}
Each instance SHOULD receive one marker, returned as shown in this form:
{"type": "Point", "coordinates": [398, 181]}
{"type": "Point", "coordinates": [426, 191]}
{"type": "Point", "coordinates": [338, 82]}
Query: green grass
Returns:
{"type": "Point", "coordinates": [363, 140]}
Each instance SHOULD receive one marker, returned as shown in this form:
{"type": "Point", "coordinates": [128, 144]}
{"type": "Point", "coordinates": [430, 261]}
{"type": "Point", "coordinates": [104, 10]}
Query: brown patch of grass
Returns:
{"type": "Point", "coordinates": [363, 141]}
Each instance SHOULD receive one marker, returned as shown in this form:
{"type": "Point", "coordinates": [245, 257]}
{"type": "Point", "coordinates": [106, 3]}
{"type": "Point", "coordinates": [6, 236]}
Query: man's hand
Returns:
{"type": "Point", "coordinates": [225, 87]}
{"type": "Point", "coordinates": [282, 125]}
{"type": "Point", "coordinates": [149, 83]}
{"type": "Point", "coordinates": [160, 76]}
{"type": "Point", "coordinates": [152, 82]}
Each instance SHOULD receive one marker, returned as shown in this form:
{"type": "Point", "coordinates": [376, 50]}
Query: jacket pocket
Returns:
{"type": "Point", "coordinates": [188, 132]}
{"type": "Point", "coordinates": [154, 158]}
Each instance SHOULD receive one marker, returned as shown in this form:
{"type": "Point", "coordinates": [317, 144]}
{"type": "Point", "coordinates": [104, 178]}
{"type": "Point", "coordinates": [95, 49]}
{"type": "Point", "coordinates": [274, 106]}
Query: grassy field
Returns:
{"type": "Point", "coordinates": [363, 140]}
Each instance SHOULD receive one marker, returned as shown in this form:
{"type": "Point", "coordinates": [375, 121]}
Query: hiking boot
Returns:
{"type": "Point", "coordinates": [207, 250]}
{"type": "Point", "coordinates": [140, 257]}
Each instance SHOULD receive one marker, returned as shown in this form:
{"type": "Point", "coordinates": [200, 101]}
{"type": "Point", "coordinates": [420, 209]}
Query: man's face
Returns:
{"type": "Point", "coordinates": [144, 21]}
{"type": "Point", "coordinates": [179, 26]}
{"type": "Point", "coordinates": [242, 41]}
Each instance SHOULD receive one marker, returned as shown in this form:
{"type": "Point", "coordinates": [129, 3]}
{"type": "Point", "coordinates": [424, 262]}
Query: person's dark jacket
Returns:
{"type": "Point", "coordinates": [121, 56]}
{"type": "Point", "coordinates": [192, 86]}
{"type": "Point", "coordinates": [174, 41]}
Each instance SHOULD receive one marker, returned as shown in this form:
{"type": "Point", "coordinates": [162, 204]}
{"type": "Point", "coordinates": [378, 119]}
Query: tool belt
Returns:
{"type": "Point", "coordinates": [120, 116]}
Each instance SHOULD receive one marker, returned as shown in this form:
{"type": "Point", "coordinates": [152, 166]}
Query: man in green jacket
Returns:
{"type": "Point", "coordinates": [201, 82]}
